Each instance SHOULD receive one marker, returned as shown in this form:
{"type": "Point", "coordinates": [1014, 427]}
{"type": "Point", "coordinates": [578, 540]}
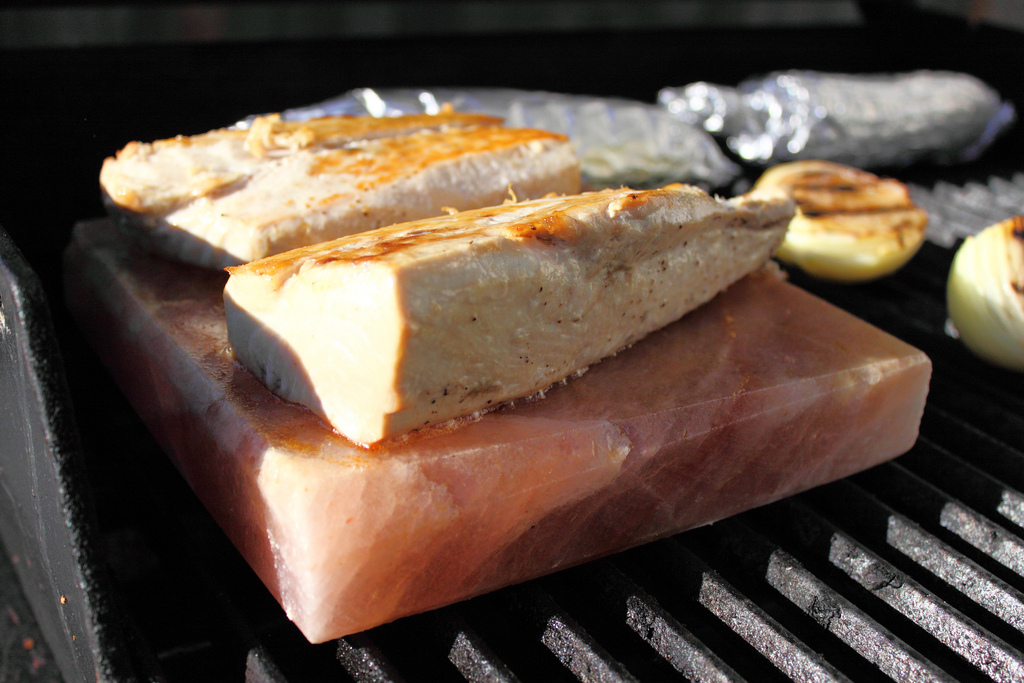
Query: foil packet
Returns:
{"type": "Point", "coordinates": [867, 121]}
{"type": "Point", "coordinates": [618, 142]}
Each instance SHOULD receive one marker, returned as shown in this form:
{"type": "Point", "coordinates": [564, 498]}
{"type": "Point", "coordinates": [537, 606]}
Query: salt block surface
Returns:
{"type": "Point", "coordinates": [762, 393]}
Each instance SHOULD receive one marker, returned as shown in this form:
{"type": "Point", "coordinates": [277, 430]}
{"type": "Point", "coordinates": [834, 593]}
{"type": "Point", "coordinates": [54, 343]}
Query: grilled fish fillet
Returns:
{"type": "Point", "coordinates": [231, 196]}
{"type": "Point", "coordinates": [419, 323]}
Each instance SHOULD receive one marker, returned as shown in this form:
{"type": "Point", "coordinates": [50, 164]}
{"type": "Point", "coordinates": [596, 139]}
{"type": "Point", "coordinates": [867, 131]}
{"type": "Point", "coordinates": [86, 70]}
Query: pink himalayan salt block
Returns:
{"type": "Point", "coordinates": [764, 392]}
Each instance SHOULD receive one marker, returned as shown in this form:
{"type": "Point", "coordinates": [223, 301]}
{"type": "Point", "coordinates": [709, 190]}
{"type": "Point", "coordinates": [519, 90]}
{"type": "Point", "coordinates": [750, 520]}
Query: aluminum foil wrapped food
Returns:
{"type": "Point", "coordinates": [618, 141]}
{"type": "Point", "coordinates": [867, 121]}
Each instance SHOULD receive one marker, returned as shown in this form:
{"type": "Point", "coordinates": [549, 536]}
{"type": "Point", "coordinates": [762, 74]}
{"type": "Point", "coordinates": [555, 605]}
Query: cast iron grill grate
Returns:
{"type": "Point", "coordinates": [912, 571]}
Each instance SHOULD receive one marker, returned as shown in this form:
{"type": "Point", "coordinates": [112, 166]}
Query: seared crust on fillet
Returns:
{"type": "Point", "coordinates": [231, 196]}
{"type": "Point", "coordinates": [384, 332]}
{"type": "Point", "coordinates": [185, 167]}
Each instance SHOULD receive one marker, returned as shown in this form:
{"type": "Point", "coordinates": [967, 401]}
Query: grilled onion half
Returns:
{"type": "Point", "coordinates": [850, 225]}
{"type": "Point", "coordinates": [985, 293]}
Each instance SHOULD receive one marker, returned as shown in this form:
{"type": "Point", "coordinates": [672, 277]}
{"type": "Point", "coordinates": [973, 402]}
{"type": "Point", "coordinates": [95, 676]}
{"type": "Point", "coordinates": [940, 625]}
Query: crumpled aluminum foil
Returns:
{"type": "Point", "coordinates": [619, 142]}
{"type": "Point", "coordinates": [867, 121]}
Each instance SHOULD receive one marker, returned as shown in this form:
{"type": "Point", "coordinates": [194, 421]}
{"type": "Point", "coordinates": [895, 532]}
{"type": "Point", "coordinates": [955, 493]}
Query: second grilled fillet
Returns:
{"type": "Point", "coordinates": [229, 196]}
{"type": "Point", "coordinates": [385, 332]}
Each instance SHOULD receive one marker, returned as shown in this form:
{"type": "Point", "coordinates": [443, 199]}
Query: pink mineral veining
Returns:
{"type": "Point", "coordinates": [764, 392]}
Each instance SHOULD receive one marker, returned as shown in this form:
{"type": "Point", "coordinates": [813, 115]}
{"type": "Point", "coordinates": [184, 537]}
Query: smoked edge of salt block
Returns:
{"type": "Point", "coordinates": [762, 393]}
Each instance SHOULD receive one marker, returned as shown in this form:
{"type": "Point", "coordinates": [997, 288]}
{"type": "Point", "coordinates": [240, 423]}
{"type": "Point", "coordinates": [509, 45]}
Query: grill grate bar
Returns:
{"type": "Point", "coordinates": [468, 651]}
{"type": "Point", "coordinates": [511, 632]}
{"type": "Point", "coordinates": [912, 495]}
{"type": "Point", "coordinates": [261, 667]}
{"type": "Point", "coordinates": [364, 660]}
{"type": "Point", "coordinates": [851, 625]}
{"type": "Point", "coordinates": [973, 197]}
{"type": "Point", "coordinates": [1008, 193]}
{"type": "Point", "coordinates": [1003, 205]}
{"type": "Point", "coordinates": [673, 575]}
{"type": "Point", "coordinates": [896, 539]}
{"type": "Point", "coordinates": [578, 651]}
{"type": "Point", "coordinates": [754, 625]}
{"type": "Point", "coordinates": [638, 632]}
{"type": "Point", "coordinates": [943, 626]}
{"type": "Point", "coordinates": [751, 622]}
{"type": "Point", "coordinates": [984, 535]}
{"type": "Point", "coordinates": [659, 629]}
{"type": "Point", "coordinates": [957, 571]}
{"type": "Point", "coordinates": [764, 562]}
{"type": "Point", "coordinates": [911, 600]}
{"type": "Point", "coordinates": [954, 212]}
